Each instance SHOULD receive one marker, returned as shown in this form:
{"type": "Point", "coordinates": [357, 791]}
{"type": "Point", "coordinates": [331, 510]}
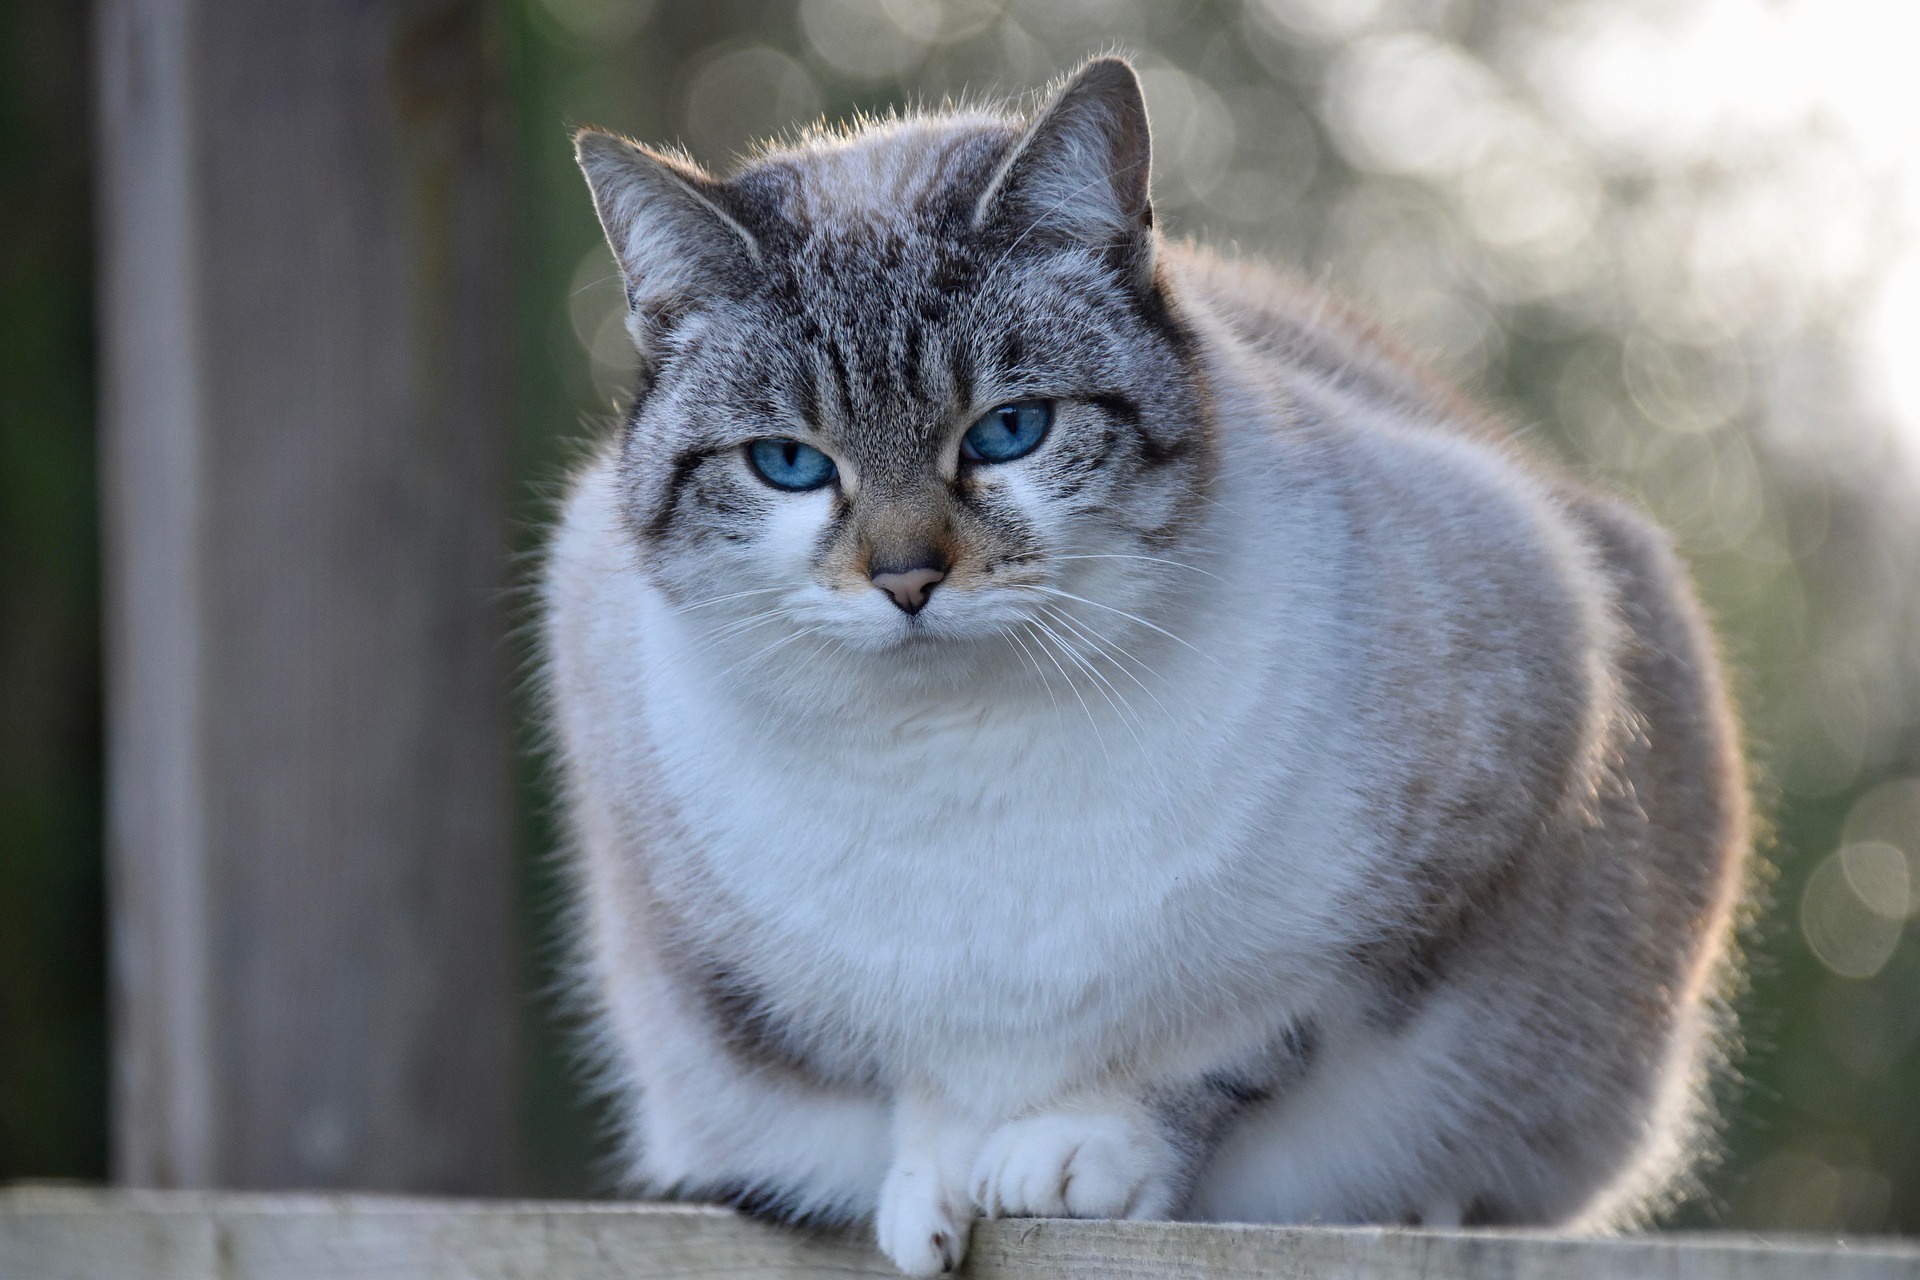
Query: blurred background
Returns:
{"type": "Point", "coordinates": [1678, 242]}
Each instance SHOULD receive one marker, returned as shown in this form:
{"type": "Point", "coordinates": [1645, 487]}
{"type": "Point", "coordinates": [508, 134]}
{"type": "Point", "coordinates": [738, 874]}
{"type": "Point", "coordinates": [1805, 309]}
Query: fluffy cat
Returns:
{"type": "Point", "coordinates": [1057, 723]}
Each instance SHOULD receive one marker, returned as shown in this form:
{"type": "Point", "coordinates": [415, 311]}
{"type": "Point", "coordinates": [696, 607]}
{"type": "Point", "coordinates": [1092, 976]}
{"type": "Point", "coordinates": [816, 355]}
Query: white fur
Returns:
{"type": "Point", "coordinates": [1005, 874]}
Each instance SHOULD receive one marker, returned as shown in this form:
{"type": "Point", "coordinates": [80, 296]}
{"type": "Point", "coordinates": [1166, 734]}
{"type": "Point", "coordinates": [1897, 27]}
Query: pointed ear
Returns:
{"type": "Point", "coordinates": [669, 230]}
{"type": "Point", "coordinates": [1079, 175]}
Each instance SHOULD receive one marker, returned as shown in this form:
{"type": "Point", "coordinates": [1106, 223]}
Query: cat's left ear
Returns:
{"type": "Point", "coordinates": [668, 225]}
{"type": "Point", "coordinates": [1080, 173]}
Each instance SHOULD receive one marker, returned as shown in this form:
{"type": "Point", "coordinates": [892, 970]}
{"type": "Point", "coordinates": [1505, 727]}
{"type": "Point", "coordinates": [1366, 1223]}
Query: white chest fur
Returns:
{"type": "Point", "coordinates": [983, 887]}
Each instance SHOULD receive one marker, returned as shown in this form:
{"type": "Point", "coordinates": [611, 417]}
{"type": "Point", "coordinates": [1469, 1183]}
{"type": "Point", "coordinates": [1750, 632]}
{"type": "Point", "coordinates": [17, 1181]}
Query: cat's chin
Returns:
{"type": "Point", "coordinates": [934, 632]}
{"type": "Point", "coordinates": [928, 654]}
{"type": "Point", "coordinates": [914, 640]}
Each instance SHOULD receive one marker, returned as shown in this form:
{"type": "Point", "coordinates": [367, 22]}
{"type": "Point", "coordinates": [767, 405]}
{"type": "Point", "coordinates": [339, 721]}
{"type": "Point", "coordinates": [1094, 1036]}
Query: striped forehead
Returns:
{"type": "Point", "coordinates": [876, 268]}
{"type": "Point", "coordinates": [879, 340]}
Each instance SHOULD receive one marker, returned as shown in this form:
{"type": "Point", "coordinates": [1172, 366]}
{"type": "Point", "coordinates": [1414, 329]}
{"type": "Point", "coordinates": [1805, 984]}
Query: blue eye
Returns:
{"type": "Point", "coordinates": [788, 464]}
{"type": "Point", "coordinates": [1008, 432]}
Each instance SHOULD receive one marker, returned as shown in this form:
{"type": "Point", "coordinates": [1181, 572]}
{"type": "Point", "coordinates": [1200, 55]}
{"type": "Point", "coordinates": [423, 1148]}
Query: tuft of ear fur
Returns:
{"type": "Point", "coordinates": [667, 224]}
{"type": "Point", "coordinates": [1080, 173]}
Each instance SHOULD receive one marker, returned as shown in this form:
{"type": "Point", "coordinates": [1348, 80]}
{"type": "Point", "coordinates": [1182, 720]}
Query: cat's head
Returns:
{"type": "Point", "coordinates": [909, 383]}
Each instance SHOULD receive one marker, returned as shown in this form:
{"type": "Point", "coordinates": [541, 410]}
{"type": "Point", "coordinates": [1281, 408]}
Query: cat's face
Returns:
{"type": "Point", "coordinates": [909, 386]}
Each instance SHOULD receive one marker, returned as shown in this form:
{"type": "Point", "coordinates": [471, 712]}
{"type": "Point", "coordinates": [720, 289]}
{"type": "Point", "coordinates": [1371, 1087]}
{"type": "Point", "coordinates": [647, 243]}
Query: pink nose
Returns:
{"type": "Point", "coordinates": [909, 587]}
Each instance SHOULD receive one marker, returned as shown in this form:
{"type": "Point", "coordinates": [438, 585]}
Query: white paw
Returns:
{"type": "Point", "coordinates": [1068, 1166]}
{"type": "Point", "coordinates": [922, 1226]}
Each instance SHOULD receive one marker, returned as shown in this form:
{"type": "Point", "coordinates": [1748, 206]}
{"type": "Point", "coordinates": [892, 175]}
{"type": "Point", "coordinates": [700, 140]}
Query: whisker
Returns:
{"type": "Point", "coordinates": [1190, 568]}
{"type": "Point", "coordinates": [1055, 591]}
{"type": "Point", "coordinates": [1105, 688]}
{"type": "Point", "coordinates": [1101, 644]}
{"type": "Point", "coordinates": [1041, 639]}
{"type": "Point", "coordinates": [740, 626]}
{"type": "Point", "coordinates": [777, 644]}
{"type": "Point", "coordinates": [731, 595]}
{"type": "Point", "coordinates": [1096, 650]}
{"type": "Point", "coordinates": [591, 283]}
{"type": "Point", "coordinates": [1038, 670]}
{"type": "Point", "coordinates": [724, 625]}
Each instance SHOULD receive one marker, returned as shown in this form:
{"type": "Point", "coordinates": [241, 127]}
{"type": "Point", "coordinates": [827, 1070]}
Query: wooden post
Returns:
{"type": "Point", "coordinates": [302, 321]}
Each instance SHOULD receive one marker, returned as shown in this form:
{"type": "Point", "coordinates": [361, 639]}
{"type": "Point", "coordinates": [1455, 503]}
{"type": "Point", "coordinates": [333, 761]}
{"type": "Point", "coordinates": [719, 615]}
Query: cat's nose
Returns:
{"type": "Point", "coordinates": [910, 586]}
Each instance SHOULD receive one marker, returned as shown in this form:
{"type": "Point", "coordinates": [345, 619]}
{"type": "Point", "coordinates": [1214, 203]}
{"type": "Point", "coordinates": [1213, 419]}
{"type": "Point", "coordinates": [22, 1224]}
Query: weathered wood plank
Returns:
{"type": "Point", "coordinates": [303, 441]}
{"type": "Point", "coordinates": [71, 1235]}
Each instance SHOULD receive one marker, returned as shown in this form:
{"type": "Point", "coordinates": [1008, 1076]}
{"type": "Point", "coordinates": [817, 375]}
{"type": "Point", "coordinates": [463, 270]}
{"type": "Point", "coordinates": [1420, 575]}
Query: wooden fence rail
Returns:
{"type": "Point", "coordinates": [60, 1234]}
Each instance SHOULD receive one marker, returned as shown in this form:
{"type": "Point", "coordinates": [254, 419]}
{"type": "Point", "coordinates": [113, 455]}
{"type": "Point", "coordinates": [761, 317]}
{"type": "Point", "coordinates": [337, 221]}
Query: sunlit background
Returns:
{"type": "Point", "coordinates": [1677, 243]}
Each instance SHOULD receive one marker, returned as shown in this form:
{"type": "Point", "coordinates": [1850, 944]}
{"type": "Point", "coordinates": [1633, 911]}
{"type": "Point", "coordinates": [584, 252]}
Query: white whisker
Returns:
{"type": "Point", "coordinates": [782, 642]}
{"type": "Point", "coordinates": [1100, 646]}
{"type": "Point", "coordinates": [1038, 670]}
{"type": "Point", "coordinates": [1149, 559]}
{"type": "Point", "coordinates": [1041, 639]}
{"type": "Point", "coordinates": [596, 281]}
{"type": "Point", "coordinates": [731, 595]}
{"type": "Point", "coordinates": [1105, 687]}
{"type": "Point", "coordinates": [740, 626]}
{"type": "Point", "coordinates": [1055, 591]}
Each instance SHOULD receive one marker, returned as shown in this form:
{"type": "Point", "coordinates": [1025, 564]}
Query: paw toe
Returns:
{"type": "Point", "coordinates": [918, 1227]}
{"type": "Point", "coordinates": [1100, 1180]}
{"type": "Point", "coordinates": [1061, 1166]}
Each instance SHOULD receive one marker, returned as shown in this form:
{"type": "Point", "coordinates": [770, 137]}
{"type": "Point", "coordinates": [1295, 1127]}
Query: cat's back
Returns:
{"type": "Point", "coordinates": [1495, 559]}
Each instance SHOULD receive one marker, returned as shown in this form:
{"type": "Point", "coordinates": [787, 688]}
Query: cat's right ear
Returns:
{"type": "Point", "coordinates": [1079, 174]}
{"type": "Point", "coordinates": [669, 230]}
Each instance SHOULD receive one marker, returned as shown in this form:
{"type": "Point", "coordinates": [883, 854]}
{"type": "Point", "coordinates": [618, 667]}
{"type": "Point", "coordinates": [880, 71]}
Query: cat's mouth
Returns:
{"type": "Point", "coordinates": [918, 630]}
{"type": "Point", "coordinates": [940, 625]}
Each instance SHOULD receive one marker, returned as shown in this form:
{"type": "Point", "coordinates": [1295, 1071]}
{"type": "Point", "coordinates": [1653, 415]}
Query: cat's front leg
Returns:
{"type": "Point", "coordinates": [1103, 1159]}
{"type": "Point", "coordinates": [925, 1212]}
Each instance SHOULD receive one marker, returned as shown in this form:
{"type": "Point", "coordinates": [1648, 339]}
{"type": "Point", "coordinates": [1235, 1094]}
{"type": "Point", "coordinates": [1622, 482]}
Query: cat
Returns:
{"type": "Point", "coordinates": [1056, 722]}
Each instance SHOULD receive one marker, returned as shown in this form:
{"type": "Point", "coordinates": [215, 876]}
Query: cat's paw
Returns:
{"type": "Point", "coordinates": [921, 1224]}
{"type": "Point", "coordinates": [1069, 1166]}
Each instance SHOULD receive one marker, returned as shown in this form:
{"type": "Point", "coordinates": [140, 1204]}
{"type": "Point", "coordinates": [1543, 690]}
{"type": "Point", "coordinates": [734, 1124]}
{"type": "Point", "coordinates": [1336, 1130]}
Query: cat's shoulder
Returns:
{"type": "Point", "coordinates": [1405, 442]}
{"type": "Point", "coordinates": [1312, 332]}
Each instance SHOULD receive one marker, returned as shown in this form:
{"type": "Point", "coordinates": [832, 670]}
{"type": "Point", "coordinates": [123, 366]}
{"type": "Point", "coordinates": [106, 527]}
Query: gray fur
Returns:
{"type": "Point", "coordinates": [1506, 702]}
